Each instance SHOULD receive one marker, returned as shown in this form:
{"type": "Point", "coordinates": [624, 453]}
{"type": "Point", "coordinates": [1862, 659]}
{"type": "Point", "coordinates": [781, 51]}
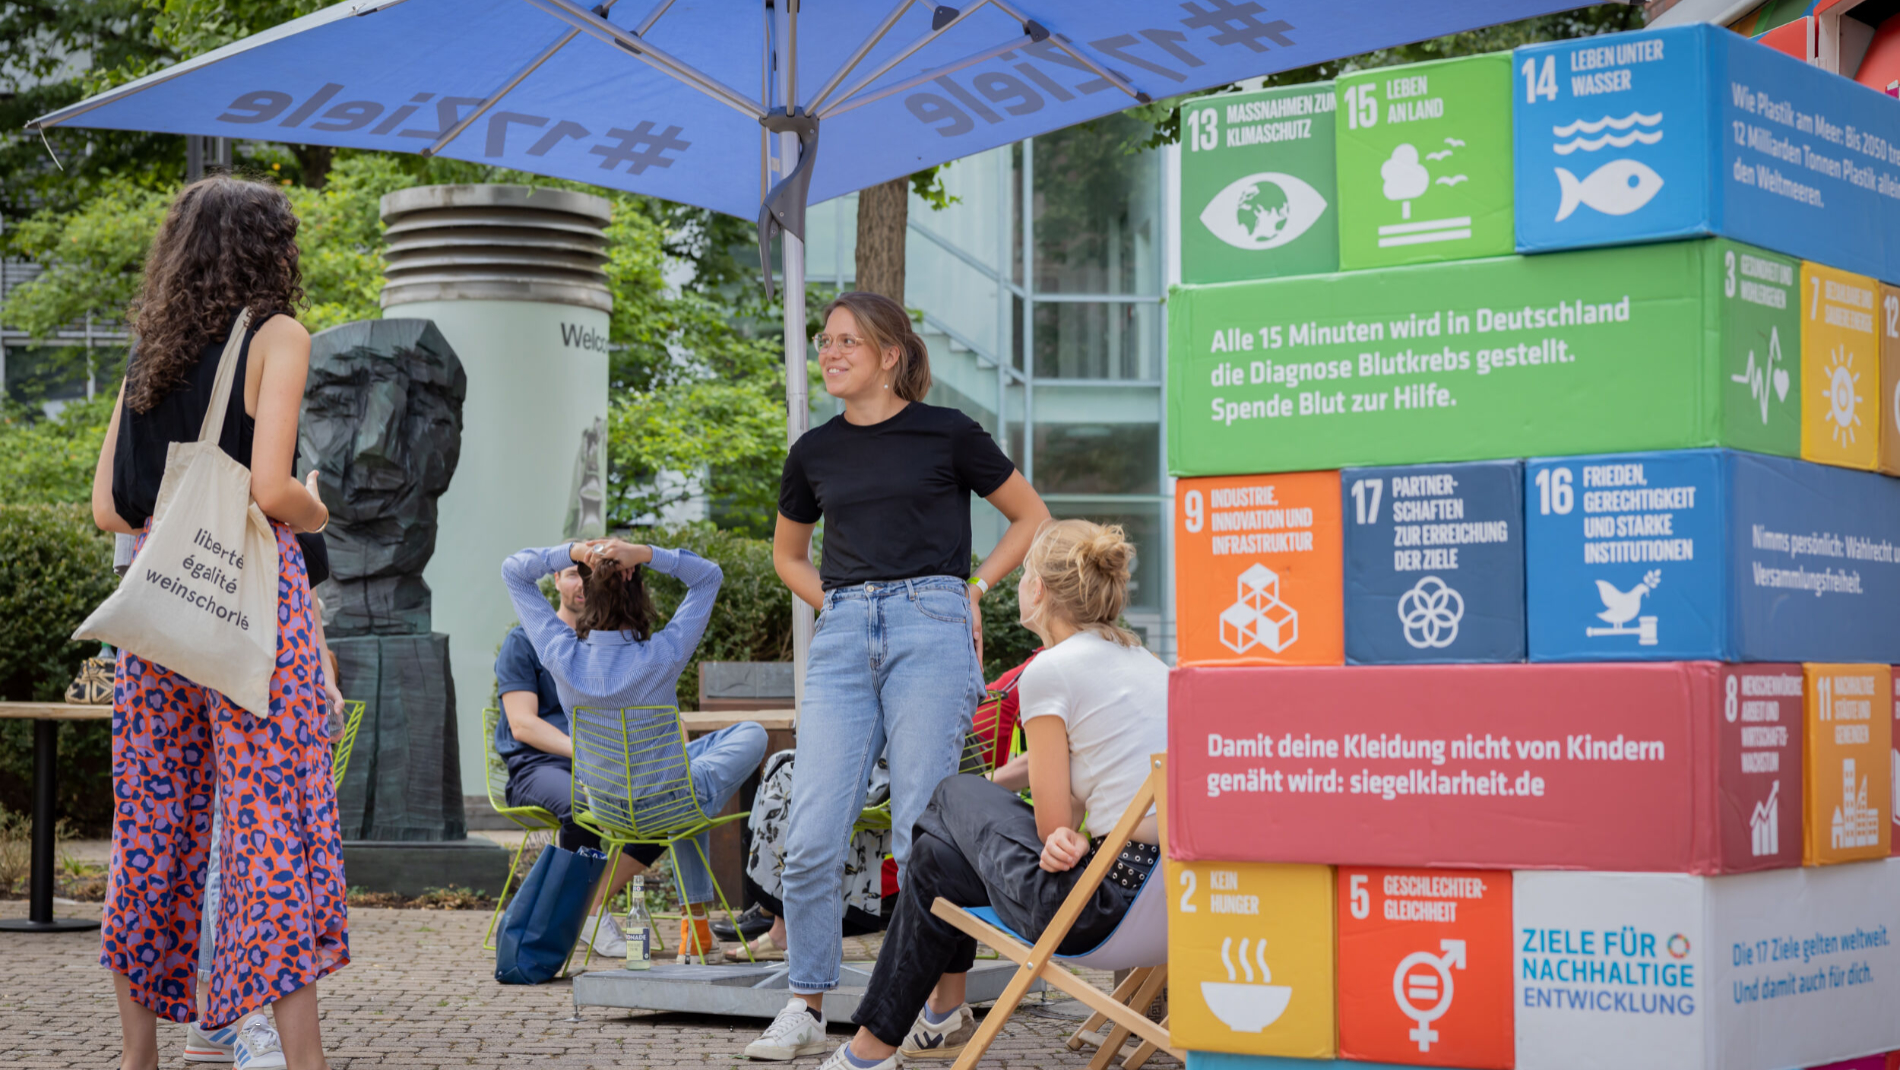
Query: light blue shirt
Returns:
{"type": "Point", "coordinates": [613, 670]}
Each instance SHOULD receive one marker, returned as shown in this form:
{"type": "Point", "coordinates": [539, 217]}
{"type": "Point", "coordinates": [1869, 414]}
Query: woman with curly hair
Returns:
{"type": "Point", "coordinates": [226, 255]}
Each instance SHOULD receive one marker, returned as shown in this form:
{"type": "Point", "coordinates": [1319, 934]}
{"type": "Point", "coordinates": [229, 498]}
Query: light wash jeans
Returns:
{"type": "Point", "coordinates": [208, 923]}
{"type": "Point", "coordinates": [721, 761]}
{"type": "Point", "coordinates": [893, 671]}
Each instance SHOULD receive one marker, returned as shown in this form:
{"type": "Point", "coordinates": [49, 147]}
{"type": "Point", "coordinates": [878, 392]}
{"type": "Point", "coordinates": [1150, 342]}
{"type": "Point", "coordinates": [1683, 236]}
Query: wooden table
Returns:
{"type": "Point", "coordinates": [46, 717]}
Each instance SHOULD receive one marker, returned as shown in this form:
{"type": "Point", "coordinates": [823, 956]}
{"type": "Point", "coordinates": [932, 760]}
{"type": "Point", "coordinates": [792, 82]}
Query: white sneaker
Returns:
{"type": "Point", "coordinates": [945, 1040]}
{"type": "Point", "coordinates": [209, 1047]}
{"type": "Point", "coordinates": [608, 941]}
{"type": "Point", "coordinates": [837, 1061]}
{"type": "Point", "coordinates": [795, 1032]}
{"type": "Point", "coordinates": [257, 1046]}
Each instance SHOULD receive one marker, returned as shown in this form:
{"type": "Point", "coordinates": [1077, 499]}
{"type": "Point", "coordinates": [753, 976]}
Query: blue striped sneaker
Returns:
{"type": "Point", "coordinates": [258, 1047]}
{"type": "Point", "coordinates": [209, 1047]}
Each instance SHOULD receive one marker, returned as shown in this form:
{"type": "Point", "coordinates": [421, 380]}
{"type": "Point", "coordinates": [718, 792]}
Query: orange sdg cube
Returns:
{"type": "Point", "coordinates": [1849, 781]}
{"type": "Point", "coordinates": [1258, 570]}
{"type": "Point", "coordinates": [1425, 967]}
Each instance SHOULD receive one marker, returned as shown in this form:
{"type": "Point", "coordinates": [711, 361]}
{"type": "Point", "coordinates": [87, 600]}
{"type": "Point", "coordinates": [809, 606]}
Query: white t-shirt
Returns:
{"type": "Point", "coordinates": [1114, 701]}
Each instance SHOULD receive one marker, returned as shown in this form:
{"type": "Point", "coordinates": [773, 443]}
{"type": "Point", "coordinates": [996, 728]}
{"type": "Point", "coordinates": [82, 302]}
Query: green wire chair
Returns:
{"type": "Point", "coordinates": [346, 739]}
{"type": "Point", "coordinates": [539, 824]}
{"type": "Point", "coordinates": [633, 785]}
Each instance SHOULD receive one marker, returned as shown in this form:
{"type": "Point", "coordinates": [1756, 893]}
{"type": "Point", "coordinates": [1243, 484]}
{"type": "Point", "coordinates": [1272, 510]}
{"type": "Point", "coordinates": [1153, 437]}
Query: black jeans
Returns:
{"type": "Point", "coordinates": [975, 845]}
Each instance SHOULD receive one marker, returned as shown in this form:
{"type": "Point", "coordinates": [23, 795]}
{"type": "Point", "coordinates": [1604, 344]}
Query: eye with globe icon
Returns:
{"type": "Point", "coordinates": [1263, 211]}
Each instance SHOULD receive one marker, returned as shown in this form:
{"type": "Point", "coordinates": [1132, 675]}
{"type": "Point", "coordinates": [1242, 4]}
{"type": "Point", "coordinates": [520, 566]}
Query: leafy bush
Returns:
{"type": "Point", "coordinates": [55, 566]}
{"type": "Point", "coordinates": [752, 620]}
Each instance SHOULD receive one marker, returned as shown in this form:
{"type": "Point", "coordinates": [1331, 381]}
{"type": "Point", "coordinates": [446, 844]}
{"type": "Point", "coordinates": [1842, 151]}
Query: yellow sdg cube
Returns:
{"type": "Point", "coordinates": [1840, 368]}
{"type": "Point", "coordinates": [1250, 958]}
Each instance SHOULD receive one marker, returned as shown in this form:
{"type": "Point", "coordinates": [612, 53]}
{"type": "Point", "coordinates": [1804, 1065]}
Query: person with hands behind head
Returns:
{"type": "Point", "coordinates": [610, 658]}
{"type": "Point", "coordinates": [1094, 706]}
{"type": "Point", "coordinates": [226, 250]}
{"type": "Point", "coordinates": [896, 660]}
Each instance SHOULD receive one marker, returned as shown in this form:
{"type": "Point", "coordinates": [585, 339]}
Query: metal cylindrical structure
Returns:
{"type": "Point", "coordinates": [514, 278]}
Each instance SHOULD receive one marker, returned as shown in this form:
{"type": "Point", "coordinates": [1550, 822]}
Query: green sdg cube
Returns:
{"type": "Point", "coordinates": [1668, 346]}
{"type": "Point", "coordinates": [1257, 194]}
{"type": "Point", "coordinates": [1425, 162]}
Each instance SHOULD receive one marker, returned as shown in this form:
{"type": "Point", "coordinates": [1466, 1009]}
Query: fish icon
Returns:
{"type": "Point", "coordinates": [1617, 188]}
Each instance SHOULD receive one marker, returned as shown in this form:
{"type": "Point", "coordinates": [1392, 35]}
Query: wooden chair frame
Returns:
{"type": "Point", "coordinates": [1038, 963]}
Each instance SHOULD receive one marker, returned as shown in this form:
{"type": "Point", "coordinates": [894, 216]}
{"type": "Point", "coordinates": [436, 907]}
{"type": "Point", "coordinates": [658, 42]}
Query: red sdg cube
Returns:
{"type": "Point", "coordinates": [1425, 967]}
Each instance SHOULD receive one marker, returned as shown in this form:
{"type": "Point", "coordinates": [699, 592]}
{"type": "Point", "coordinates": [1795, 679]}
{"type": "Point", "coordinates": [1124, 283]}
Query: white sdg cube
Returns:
{"type": "Point", "coordinates": [1239, 627]}
{"type": "Point", "coordinates": [1757, 971]}
{"type": "Point", "coordinates": [1258, 587]}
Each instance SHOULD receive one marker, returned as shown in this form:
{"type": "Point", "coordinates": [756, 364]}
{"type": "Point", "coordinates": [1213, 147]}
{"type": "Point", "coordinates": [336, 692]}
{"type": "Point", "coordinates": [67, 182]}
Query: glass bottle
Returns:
{"type": "Point", "coordinates": [639, 928]}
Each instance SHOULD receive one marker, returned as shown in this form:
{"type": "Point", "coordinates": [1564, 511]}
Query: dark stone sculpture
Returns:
{"type": "Point", "coordinates": [382, 424]}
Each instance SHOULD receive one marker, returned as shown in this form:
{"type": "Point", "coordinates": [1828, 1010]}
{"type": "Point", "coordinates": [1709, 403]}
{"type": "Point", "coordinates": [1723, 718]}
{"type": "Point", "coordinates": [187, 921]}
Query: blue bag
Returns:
{"type": "Point", "coordinates": [545, 918]}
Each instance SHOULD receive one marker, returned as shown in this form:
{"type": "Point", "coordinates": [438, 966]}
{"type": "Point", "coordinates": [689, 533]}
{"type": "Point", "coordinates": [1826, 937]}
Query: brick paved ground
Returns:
{"type": "Point", "coordinates": [420, 995]}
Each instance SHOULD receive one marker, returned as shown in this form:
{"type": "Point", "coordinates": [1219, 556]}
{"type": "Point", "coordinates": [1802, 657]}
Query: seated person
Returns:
{"type": "Point", "coordinates": [611, 659]}
{"type": "Point", "coordinates": [532, 739]}
{"type": "Point", "coordinates": [1094, 706]}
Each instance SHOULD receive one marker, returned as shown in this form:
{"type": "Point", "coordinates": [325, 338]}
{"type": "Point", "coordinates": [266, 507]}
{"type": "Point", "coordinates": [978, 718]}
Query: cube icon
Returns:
{"type": "Point", "coordinates": [1259, 618]}
{"type": "Point", "coordinates": [1239, 627]}
{"type": "Point", "coordinates": [1258, 586]}
{"type": "Point", "coordinates": [1279, 626]}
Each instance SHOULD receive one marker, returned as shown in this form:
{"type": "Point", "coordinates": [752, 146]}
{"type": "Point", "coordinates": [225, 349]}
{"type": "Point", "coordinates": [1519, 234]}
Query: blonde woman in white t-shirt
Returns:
{"type": "Point", "coordinates": [1094, 706]}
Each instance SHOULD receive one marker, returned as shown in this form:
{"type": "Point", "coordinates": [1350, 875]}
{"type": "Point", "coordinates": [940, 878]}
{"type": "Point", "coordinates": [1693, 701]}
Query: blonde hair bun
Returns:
{"type": "Point", "coordinates": [1085, 568]}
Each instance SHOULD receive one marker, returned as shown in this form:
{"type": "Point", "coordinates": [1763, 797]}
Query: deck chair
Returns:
{"type": "Point", "coordinates": [539, 825]}
{"type": "Point", "coordinates": [1139, 942]}
{"type": "Point", "coordinates": [346, 739]}
{"type": "Point", "coordinates": [633, 785]}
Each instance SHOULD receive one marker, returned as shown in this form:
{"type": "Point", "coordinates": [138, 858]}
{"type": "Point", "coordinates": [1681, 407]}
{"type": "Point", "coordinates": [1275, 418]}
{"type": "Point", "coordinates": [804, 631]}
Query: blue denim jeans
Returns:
{"type": "Point", "coordinates": [720, 761]}
{"type": "Point", "coordinates": [893, 671]}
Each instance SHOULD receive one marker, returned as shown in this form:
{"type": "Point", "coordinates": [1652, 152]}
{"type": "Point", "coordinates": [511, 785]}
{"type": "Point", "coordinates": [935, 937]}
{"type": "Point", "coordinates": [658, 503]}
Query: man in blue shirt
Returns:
{"type": "Point", "coordinates": [532, 739]}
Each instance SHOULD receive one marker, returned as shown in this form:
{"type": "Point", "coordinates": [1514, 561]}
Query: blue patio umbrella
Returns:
{"type": "Point", "coordinates": [722, 103]}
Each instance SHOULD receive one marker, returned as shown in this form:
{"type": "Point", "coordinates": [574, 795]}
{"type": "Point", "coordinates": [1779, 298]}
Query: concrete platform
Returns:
{"type": "Point", "coordinates": [749, 991]}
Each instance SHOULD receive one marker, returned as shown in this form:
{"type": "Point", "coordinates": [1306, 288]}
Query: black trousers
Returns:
{"type": "Point", "coordinates": [975, 845]}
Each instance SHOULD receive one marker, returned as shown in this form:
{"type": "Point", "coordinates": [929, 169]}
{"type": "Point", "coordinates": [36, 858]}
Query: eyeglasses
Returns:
{"type": "Point", "coordinates": [845, 342]}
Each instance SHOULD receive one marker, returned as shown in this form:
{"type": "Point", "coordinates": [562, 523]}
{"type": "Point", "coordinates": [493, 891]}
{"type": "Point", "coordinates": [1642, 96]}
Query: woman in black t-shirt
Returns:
{"type": "Point", "coordinates": [896, 658]}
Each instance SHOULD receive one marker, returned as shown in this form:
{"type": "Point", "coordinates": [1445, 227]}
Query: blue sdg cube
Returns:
{"type": "Point", "coordinates": [1434, 563]}
{"type": "Point", "coordinates": [1710, 554]}
{"type": "Point", "coordinates": [1696, 130]}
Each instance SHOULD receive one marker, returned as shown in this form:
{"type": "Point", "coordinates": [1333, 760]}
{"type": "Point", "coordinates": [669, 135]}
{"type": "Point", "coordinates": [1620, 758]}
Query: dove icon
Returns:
{"type": "Point", "coordinates": [1617, 188]}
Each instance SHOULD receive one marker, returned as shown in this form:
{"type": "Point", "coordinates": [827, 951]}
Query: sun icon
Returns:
{"type": "Point", "coordinates": [1841, 395]}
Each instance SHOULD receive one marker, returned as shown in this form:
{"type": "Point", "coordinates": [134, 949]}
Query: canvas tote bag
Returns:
{"type": "Point", "coordinates": [201, 597]}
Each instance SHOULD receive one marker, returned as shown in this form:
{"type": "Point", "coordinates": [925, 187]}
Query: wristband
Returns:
{"type": "Point", "coordinates": [982, 585]}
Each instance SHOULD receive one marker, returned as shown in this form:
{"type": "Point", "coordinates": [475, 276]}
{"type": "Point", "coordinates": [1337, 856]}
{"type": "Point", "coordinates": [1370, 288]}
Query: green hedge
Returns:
{"type": "Point", "coordinates": [55, 566]}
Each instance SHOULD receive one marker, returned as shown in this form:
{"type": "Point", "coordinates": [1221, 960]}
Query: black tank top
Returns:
{"type": "Point", "coordinates": [138, 461]}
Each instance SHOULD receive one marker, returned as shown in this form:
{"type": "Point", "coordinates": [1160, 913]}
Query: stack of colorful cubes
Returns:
{"type": "Point", "coordinates": [1538, 565]}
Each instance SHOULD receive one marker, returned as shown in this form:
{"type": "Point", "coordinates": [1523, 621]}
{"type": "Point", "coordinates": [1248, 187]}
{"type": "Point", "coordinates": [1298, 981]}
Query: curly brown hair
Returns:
{"type": "Point", "coordinates": [228, 243]}
{"type": "Point", "coordinates": [617, 601]}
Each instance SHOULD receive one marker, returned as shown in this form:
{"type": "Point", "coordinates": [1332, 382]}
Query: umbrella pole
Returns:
{"type": "Point", "coordinates": [797, 417]}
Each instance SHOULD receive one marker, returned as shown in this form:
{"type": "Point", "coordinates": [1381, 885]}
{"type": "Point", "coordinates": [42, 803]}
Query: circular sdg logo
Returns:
{"type": "Point", "coordinates": [1430, 613]}
{"type": "Point", "coordinates": [1679, 946]}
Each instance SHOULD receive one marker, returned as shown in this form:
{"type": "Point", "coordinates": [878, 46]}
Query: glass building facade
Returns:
{"type": "Point", "coordinates": [1042, 289]}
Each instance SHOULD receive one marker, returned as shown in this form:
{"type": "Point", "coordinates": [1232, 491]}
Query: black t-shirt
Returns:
{"type": "Point", "coordinates": [895, 496]}
{"type": "Point", "coordinates": [138, 460]}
